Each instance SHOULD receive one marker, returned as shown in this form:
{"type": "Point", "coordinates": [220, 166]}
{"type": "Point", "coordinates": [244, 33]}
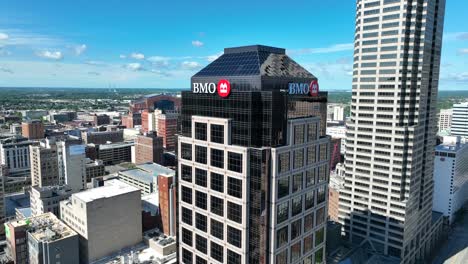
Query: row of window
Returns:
{"type": "Point", "coordinates": [216, 157]}
{"type": "Point", "coordinates": [299, 133]}
{"type": "Point", "coordinates": [307, 242]}
{"type": "Point", "coordinates": [297, 203]}
{"type": "Point", "coordinates": [284, 163]}
{"type": "Point", "coordinates": [234, 186]}
{"type": "Point", "coordinates": [290, 184]}
{"type": "Point", "coordinates": [234, 211]}
{"type": "Point", "coordinates": [217, 253]}
{"type": "Point", "coordinates": [217, 132]}
{"type": "Point", "coordinates": [317, 258]}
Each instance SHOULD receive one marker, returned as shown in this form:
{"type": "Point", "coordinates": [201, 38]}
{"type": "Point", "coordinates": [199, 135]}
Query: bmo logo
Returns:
{"type": "Point", "coordinates": [223, 88]}
{"type": "Point", "coordinates": [311, 88]}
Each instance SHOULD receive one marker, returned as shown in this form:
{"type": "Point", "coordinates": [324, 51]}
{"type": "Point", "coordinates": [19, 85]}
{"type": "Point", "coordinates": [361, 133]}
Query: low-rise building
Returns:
{"type": "Point", "coordinates": [47, 199]}
{"type": "Point", "coordinates": [149, 148]}
{"type": "Point", "coordinates": [102, 137]}
{"type": "Point", "coordinates": [145, 176]}
{"type": "Point", "coordinates": [107, 218]}
{"type": "Point", "coordinates": [94, 169]}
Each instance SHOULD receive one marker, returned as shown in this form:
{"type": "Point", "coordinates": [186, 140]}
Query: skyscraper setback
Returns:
{"type": "Point", "coordinates": [253, 162]}
{"type": "Point", "coordinates": [386, 203]}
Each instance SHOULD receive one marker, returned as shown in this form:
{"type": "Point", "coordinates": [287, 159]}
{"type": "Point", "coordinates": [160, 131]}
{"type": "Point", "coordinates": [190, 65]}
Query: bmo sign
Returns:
{"type": "Point", "coordinates": [223, 88]}
{"type": "Point", "coordinates": [304, 88]}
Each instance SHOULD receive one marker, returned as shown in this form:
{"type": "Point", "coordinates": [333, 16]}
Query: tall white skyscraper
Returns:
{"type": "Point", "coordinates": [460, 120]}
{"type": "Point", "coordinates": [386, 204]}
{"type": "Point", "coordinates": [445, 119]}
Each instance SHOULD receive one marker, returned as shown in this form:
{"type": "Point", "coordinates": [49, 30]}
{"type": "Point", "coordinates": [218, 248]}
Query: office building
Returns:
{"type": "Point", "coordinates": [72, 165]}
{"type": "Point", "coordinates": [335, 112]}
{"type": "Point", "coordinates": [131, 120]}
{"type": "Point", "coordinates": [253, 161]}
{"type": "Point", "coordinates": [47, 199]}
{"type": "Point", "coordinates": [166, 126]}
{"type": "Point", "coordinates": [44, 165]}
{"type": "Point", "coordinates": [386, 203]}
{"type": "Point", "coordinates": [336, 184]}
{"type": "Point", "coordinates": [460, 120]}
{"type": "Point", "coordinates": [149, 148]}
{"type": "Point", "coordinates": [33, 129]}
{"type": "Point", "coordinates": [145, 176]}
{"type": "Point", "coordinates": [100, 120]}
{"type": "Point", "coordinates": [145, 122]}
{"type": "Point", "coordinates": [102, 137]}
{"type": "Point", "coordinates": [107, 219]}
{"type": "Point", "coordinates": [14, 153]}
{"type": "Point", "coordinates": [450, 177]}
{"type": "Point", "coordinates": [94, 169]}
{"type": "Point", "coordinates": [167, 191]}
{"type": "Point", "coordinates": [41, 239]}
{"type": "Point", "coordinates": [338, 132]}
{"type": "Point", "coordinates": [445, 119]}
{"type": "Point", "coordinates": [110, 154]}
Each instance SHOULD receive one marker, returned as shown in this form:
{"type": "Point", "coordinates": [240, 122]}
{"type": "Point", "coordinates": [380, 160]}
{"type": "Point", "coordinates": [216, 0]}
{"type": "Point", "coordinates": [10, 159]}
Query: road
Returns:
{"type": "Point", "coordinates": [455, 249]}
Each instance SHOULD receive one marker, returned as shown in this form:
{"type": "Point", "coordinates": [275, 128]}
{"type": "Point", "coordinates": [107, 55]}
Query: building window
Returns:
{"type": "Point", "coordinates": [283, 212]}
{"type": "Point", "coordinates": [200, 131]}
{"type": "Point", "coordinates": [187, 237]}
{"type": "Point", "coordinates": [235, 187]}
{"type": "Point", "coordinates": [186, 194]}
{"type": "Point", "coordinates": [298, 158]}
{"type": "Point", "coordinates": [312, 132]}
{"type": "Point", "coordinates": [186, 151]}
{"type": "Point", "coordinates": [296, 205]}
{"type": "Point", "coordinates": [200, 222]}
{"type": "Point", "coordinates": [201, 260]}
{"type": "Point", "coordinates": [217, 133]}
{"type": "Point", "coordinates": [200, 154]}
{"type": "Point", "coordinates": [217, 229]}
{"type": "Point", "coordinates": [200, 243]}
{"type": "Point", "coordinates": [308, 222]}
{"type": "Point", "coordinates": [235, 162]}
{"type": "Point", "coordinates": [323, 152]}
{"type": "Point", "coordinates": [319, 256]}
{"type": "Point", "coordinates": [217, 252]}
{"type": "Point", "coordinates": [187, 256]}
{"type": "Point", "coordinates": [186, 173]}
{"type": "Point", "coordinates": [282, 258]}
{"type": "Point", "coordinates": [310, 178]}
{"type": "Point", "coordinates": [295, 252]}
{"type": "Point", "coordinates": [321, 194]}
{"type": "Point", "coordinates": [200, 177]}
{"type": "Point", "coordinates": [234, 236]}
{"type": "Point", "coordinates": [283, 187]}
{"type": "Point", "coordinates": [296, 228]}
{"type": "Point", "coordinates": [282, 236]}
{"type": "Point", "coordinates": [311, 151]}
{"type": "Point", "coordinates": [200, 200]}
{"type": "Point", "coordinates": [320, 216]}
{"type": "Point", "coordinates": [297, 182]}
{"type": "Point", "coordinates": [234, 212]}
{"type": "Point", "coordinates": [309, 199]}
{"type": "Point", "coordinates": [308, 243]}
{"type": "Point", "coordinates": [322, 175]}
{"type": "Point", "coordinates": [298, 134]}
{"type": "Point", "coordinates": [217, 158]}
{"type": "Point", "coordinates": [217, 182]}
{"type": "Point", "coordinates": [233, 258]}
{"type": "Point", "coordinates": [283, 162]}
{"type": "Point", "coordinates": [217, 206]}
{"type": "Point", "coordinates": [187, 216]}
{"type": "Point", "coordinates": [319, 236]}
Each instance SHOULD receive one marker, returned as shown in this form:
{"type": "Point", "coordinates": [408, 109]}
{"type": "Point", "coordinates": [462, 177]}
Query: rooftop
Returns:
{"type": "Point", "coordinates": [110, 189]}
{"type": "Point", "coordinates": [147, 171]}
{"type": "Point", "coordinates": [116, 145]}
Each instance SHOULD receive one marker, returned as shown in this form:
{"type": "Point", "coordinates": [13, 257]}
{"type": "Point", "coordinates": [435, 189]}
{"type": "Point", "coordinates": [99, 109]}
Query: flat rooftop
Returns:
{"type": "Point", "coordinates": [110, 189]}
{"type": "Point", "coordinates": [147, 171]}
{"type": "Point", "coordinates": [116, 145]}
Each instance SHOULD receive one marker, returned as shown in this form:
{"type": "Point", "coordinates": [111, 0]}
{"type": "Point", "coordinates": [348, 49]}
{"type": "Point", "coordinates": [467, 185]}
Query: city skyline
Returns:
{"type": "Point", "coordinates": [143, 46]}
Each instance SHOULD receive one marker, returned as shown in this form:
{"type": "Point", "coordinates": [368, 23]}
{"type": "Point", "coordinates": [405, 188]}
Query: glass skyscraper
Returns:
{"type": "Point", "coordinates": [253, 166]}
{"type": "Point", "coordinates": [386, 204]}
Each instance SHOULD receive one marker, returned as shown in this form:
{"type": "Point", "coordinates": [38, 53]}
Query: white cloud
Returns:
{"type": "Point", "coordinates": [460, 77]}
{"type": "Point", "coordinates": [329, 49]}
{"type": "Point", "coordinates": [197, 43]}
{"type": "Point", "coordinates": [4, 52]}
{"type": "Point", "coordinates": [122, 56]}
{"type": "Point", "coordinates": [463, 51]}
{"type": "Point", "coordinates": [159, 61]}
{"type": "Point", "coordinates": [137, 56]}
{"type": "Point", "coordinates": [6, 70]}
{"type": "Point", "coordinates": [190, 65]}
{"type": "Point", "coordinates": [53, 55]}
{"type": "Point", "coordinates": [213, 57]}
{"type": "Point", "coordinates": [80, 49]}
{"type": "Point", "coordinates": [3, 36]}
{"type": "Point", "coordinates": [456, 36]}
{"type": "Point", "coordinates": [134, 66]}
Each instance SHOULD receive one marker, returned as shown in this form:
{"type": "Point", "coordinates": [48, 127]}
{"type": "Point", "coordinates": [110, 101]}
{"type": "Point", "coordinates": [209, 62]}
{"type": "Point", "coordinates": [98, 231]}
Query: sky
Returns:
{"type": "Point", "coordinates": [161, 44]}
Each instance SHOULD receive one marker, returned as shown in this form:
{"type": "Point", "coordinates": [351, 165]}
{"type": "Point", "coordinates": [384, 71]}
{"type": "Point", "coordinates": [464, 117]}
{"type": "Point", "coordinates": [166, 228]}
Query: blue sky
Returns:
{"type": "Point", "coordinates": [160, 44]}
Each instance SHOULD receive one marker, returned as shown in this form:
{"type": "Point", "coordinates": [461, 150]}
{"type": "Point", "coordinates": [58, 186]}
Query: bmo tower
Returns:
{"type": "Point", "coordinates": [253, 162]}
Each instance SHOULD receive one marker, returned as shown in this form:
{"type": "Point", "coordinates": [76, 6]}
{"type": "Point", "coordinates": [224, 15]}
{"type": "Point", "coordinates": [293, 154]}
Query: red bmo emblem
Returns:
{"type": "Point", "coordinates": [314, 88]}
{"type": "Point", "coordinates": [224, 88]}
